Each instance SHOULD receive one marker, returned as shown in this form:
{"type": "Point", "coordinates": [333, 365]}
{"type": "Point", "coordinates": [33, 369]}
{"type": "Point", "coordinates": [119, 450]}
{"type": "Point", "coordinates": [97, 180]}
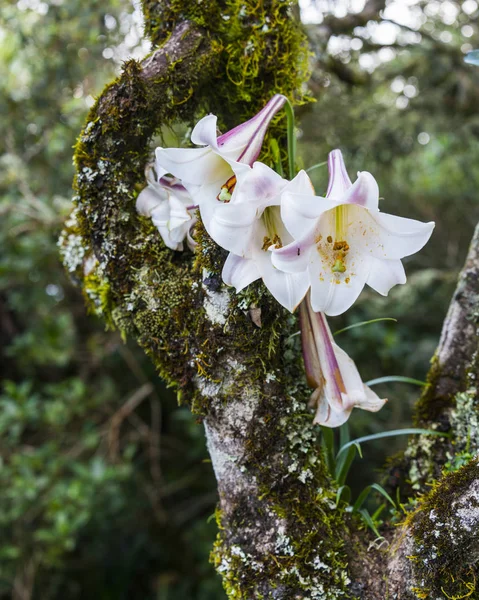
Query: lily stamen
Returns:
{"type": "Point", "coordinates": [227, 190]}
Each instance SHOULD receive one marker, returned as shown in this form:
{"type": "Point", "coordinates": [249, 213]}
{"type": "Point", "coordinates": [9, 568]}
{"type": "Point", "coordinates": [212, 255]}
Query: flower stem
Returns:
{"type": "Point", "coordinates": [276, 156]}
{"type": "Point", "coordinates": [291, 139]}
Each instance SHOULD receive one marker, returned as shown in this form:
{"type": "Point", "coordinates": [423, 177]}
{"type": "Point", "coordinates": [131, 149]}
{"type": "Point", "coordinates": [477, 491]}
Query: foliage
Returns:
{"type": "Point", "coordinates": [87, 507]}
{"type": "Point", "coordinates": [79, 515]}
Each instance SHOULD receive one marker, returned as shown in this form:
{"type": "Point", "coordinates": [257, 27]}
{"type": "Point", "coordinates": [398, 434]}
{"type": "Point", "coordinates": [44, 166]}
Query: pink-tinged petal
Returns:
{"type": "Point", "coordinates": [288, 289]}
{"type": "Point", "coordinates": [300, 212]}
{"type": "Point", "coordinates": [173, 185]}
{"type": "Point", "coordinates": [296, 256]}
{"type": "Point", "coordinates": [243, 143]}
{"type": "Point", "coordinates": [396, 237]}
{"type": "Point", "coordinates": [353, 383]}
{"type": "Point", "coordinates": [260, 186]}
{"type": "Point", "coordinates": [334, 387]}
{"type": "Point", "coordinates": [232, 226]}
{"type": "Point", "coordinates": [364, 192]}
{"type": "Point", "coordinates": [325, 415]}
{"type": "Point", "coordinates": [301, 184]}
{"type": "Point", "coordinates": [204, 133]}
{"type": "Point", "coordinates": [385, 274]}
{"type": "Point", "coordinates": [147, 200]}
{"type": "Point", "coordinates": [314, 372]}
{"type": "Point", "coordinates": [333, 293]}
{"type": "Point", "coordinates": [239, 272]}
{"type": "Point", "coordinates": [371, 402]}
{"type": "Point", "coordinates": [193, 165]}
{"type": "Point", "coordinates": [179, 214]}
{"type": "Point", "coordinates": [339, 181]}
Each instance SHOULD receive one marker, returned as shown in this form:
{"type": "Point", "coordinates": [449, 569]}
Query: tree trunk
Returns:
{"type": "Point", "coordinates": [232, 357]}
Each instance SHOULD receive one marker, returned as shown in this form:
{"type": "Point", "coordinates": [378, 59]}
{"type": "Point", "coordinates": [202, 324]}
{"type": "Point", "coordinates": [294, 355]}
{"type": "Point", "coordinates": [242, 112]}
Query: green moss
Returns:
{"type": "Point", "coordinates": [444, 542]}
{"type": "Point", "coordinates": [246, 52]}
{"type": "Point", "coordinates": [305, 555]}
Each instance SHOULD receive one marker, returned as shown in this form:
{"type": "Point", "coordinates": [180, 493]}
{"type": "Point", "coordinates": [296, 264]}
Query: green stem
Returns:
{"type": "Point", "coordinates": [276, 156]}
{"type": "Point", "coordinates": [288, 107]}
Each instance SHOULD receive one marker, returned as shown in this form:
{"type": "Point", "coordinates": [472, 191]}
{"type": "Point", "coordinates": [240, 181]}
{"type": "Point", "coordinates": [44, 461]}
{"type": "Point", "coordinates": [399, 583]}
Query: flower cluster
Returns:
{"type": "Point", "coordinates": [310, 251]}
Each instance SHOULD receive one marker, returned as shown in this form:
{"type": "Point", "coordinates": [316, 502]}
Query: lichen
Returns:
{"type": "Point", "coordinates": [213, 345]}
{"type": "Point", "coordinates": [299, 549]}
{"type": "Point", "coordinates": [444, 526]}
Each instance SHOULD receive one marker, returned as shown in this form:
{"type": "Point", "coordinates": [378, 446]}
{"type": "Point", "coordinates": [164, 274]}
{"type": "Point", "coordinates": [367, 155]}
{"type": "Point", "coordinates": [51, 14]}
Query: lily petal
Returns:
{"type": "Point", "coordinates": [339, 181]}
{"type": "Point", "coordinates": [261, 186]}
{"type": "Point", "coordinates": [325, 415]}
{"type": "Point", "coordinates": [385, 274]}
{"type": "Point", "coordinates": [231, 226]}
{"type": "Point", "coordinates": [239, 272]}
{"type": "Point", "coordinates": [334, 294]}
{"type": "Point", "coordinates": [147, 200]}
{"type": "Point", "coordinates": [204, 132]}
{"type": "Point", "coordinates": [364, 192]}
{"type": "Point", "coordinates": [193, 165]}
{"type": "Point", "coordinates": [288, 289]}
{"type": "Point", "coordinates": [398, 237]}
{"type": "Point", "coordinates": [300, 212]}
{"type": "Point", "coordinates": [296, 256]}
{"type": "Point", "coordinates": [243, 143]}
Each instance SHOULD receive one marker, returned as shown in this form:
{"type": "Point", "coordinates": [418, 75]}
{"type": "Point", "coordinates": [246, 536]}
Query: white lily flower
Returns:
{"type": "Point", "coordinates": [344, 241]}
{"type": "Point", "coordinates": [338, 387]}
{"type": "Point", "coordinates": [209, 173]}
{"type": "Point", "coordinates": [250, 227]}
{"type": "Point", "coordinates": [171, 209]}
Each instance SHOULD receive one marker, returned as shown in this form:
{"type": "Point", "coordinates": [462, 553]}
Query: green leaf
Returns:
{"type": "Point", "coordinates": [344, 494]}
{"type": "Point", "coordinates": [366, 517]}
{"type": "Point", "coordinates": [276, 156]}
{"type": "Point", "coordinates": [316, 166]}
{"type": "Point", "coordinates": [397, 379]}
{"type": "Point", "coordinates": [344, 436]}
{"type": "Point", "coordinates": [361, 499]}
{"type": "Point", "coordinates": [393, 433]}
{"type": "Point", "coordinates": [472, 58]}
{"type": "Point", "coordinates": [288, 107]}
{"type": "Point", "coordinates": [361, 323]}
{"type": "Point", "coordinates": [343, 464]}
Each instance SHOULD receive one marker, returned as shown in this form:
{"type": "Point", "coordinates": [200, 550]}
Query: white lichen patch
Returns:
{"type": "Point", "coordinates": [72, 248]}
{"type": "Point", "coordinates": [216, 305]}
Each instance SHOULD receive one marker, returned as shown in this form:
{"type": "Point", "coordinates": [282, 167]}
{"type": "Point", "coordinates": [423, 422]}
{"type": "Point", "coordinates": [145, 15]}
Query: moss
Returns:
{"type": "Point", "coordinates": [245, 52]}
{"type": "Point", "coordinates": [443, 559]}
{"type": "Point", "coordinates": [140, 286]}
{"type": "Point", "coordinates": [306, 557]}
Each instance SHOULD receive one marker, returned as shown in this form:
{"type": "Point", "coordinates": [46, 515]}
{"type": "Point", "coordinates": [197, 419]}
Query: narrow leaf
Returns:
{"type": "Point", "coordinates": [343, 464]}
{"type": "Point", "coordinates": [393, 433]}
{"type": "Point", "coordinates": [316, 166]}
{"type": "Point", "coordinates": [344, 436]}
{"type": "Point", "coordinates": [288, 107]}
{"type": "Point", "coordinates": [397, 379]}
{"type": "Point", "coordinates": [382, 491]}
{"type": "Point", "coordinates": [361, 498]}
{"type": "Point", "coordinates": [366, 517]}
{"type": "Point", "coordinates": [361, 323]}
{"type": "Point", "coordinates": [344, 494]}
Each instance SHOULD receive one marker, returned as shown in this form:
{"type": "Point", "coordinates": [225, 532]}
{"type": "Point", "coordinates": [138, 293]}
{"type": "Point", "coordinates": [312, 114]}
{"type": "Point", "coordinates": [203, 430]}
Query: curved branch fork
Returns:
{"type": "Point", "coordinates": [281, 535]}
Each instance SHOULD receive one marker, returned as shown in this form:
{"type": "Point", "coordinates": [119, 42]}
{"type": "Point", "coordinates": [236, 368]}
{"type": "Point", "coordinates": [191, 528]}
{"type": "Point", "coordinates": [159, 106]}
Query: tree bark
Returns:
{"type": "Point", "coordinates": [233, 357]}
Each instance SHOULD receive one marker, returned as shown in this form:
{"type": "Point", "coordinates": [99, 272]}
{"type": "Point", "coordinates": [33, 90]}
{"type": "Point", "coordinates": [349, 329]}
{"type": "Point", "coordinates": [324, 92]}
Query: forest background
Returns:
{"type": "Point", "coordinates": [106, 490]}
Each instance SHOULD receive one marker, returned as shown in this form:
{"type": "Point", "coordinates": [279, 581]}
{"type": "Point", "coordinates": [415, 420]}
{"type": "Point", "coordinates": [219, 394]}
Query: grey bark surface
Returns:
{"type": "Point", "coordinates": [281, 535]}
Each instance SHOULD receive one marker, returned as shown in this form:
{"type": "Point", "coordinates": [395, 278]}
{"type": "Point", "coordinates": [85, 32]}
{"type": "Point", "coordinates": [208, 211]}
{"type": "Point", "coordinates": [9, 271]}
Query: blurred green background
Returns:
{"type": "Point", "coordinates": [106, 491]}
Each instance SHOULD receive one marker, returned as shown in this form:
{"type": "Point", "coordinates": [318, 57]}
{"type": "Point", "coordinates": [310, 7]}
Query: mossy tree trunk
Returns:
{"type": "Point", "coordinates": [232, 357]}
